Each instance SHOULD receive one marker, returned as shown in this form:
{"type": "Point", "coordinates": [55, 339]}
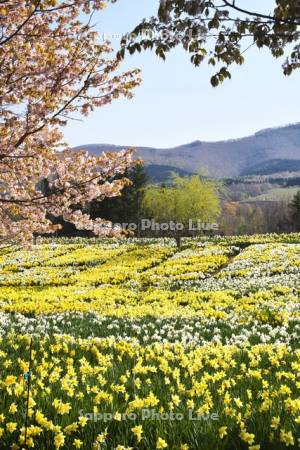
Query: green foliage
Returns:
{"type": "Point", "coordinates": [188, 198]}
{"type": "Point", "coordinates": [219, 33]}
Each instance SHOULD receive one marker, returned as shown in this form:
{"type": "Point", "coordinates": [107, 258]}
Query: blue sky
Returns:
{"type": "Point", "coordinates": [177, 105]}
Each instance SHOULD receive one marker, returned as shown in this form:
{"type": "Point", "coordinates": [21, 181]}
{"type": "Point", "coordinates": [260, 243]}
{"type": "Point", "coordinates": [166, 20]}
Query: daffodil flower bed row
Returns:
{"type": "Point", "coordinates": [94, 265]}
{"type": "Point", "coordinates": [272, 306]}
{"type": "Point", "coordinates": [260, 266]}
{"type": "Point", "coordinates": [194, 263]}
{"type": "Point", "coordinates": [151, 330]}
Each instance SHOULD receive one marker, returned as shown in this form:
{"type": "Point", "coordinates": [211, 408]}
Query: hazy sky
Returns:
{"type": "Point", "coordinates": [177, 105]}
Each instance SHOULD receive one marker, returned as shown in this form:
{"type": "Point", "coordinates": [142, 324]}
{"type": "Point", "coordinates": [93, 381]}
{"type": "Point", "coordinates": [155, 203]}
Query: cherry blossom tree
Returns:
{"type": "Point", "coordinates": [53, 67]}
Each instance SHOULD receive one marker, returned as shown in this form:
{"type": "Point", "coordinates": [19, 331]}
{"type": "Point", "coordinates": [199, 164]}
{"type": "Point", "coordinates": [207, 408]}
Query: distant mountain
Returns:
{"type": "Point", "coordinates": [273, 166]}
{"type": "Point", "coordinates": [223, 158]}
{"type": "Point", "coordinates": [159, 174]}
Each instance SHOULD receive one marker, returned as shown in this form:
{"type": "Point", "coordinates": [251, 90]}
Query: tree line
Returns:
{"type": "Point", "coordinates": [201, 206]}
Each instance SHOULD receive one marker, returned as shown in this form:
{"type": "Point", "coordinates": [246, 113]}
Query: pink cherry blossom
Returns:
{"type": "Point", "coordinates": [53, 67]}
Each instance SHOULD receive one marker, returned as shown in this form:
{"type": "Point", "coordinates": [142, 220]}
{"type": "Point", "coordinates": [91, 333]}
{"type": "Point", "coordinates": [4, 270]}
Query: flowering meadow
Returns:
{"type": "Point", "coordinates": [136, 344]}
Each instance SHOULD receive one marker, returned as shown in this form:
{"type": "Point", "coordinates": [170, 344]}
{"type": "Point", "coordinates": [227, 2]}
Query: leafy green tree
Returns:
{"type": "Point", "coordinates": [125, 208]}
{"type": "Point", "coordinates": [187, 199]}
{"type": "Point", "coordinates": [219, 32]}
{"type": "Point", "coordinates": [295, 206]}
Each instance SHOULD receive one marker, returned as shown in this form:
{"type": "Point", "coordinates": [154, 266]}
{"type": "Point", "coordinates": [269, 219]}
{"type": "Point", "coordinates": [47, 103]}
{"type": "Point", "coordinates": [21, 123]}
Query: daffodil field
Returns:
{"type": "Point", "coordinates": [137, 344]}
